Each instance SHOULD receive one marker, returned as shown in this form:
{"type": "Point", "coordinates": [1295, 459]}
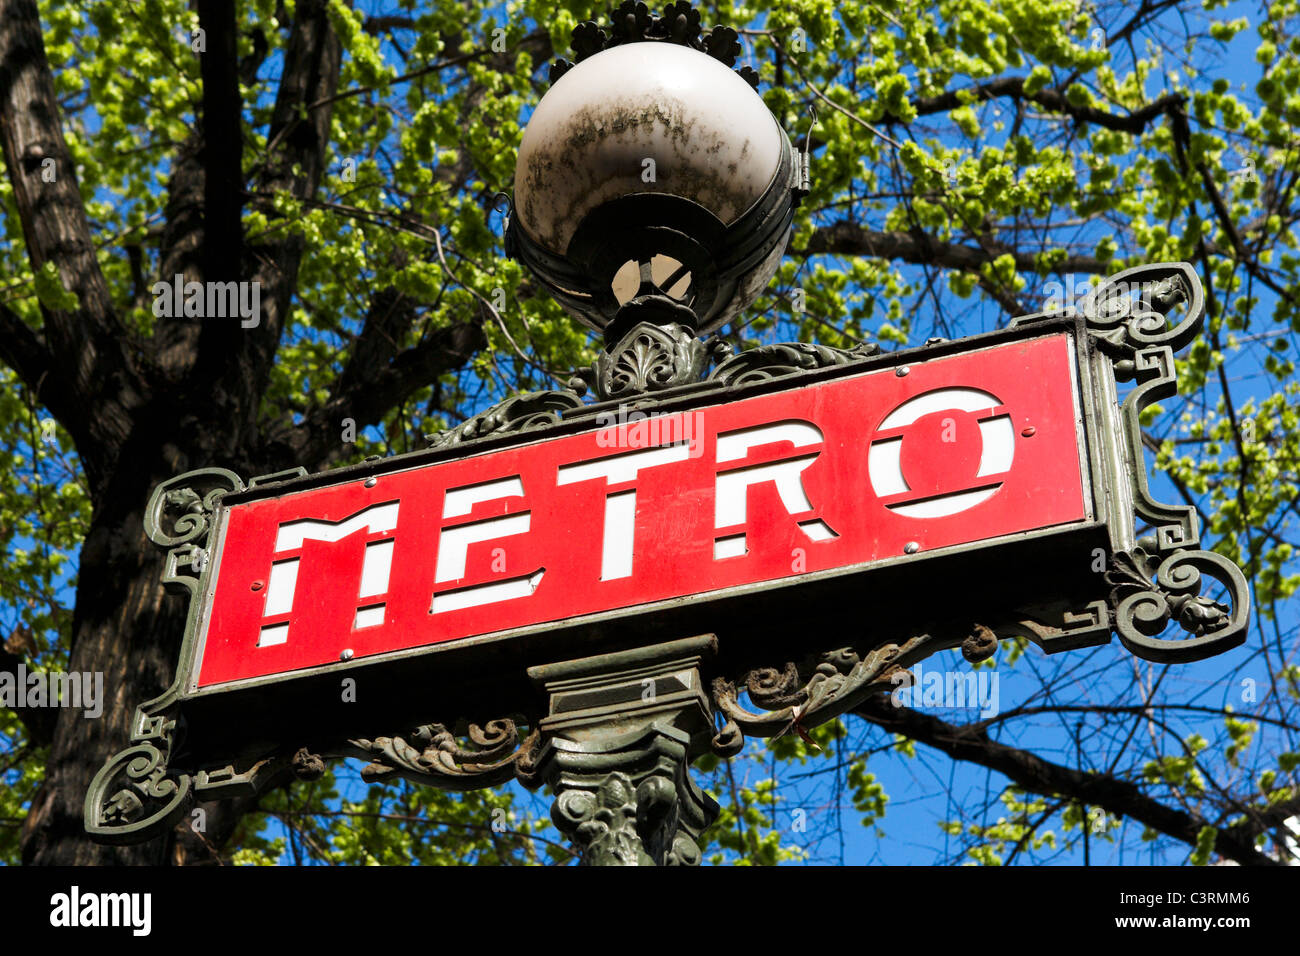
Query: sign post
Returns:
{"type": "Point", "coordinates": [576, 588]}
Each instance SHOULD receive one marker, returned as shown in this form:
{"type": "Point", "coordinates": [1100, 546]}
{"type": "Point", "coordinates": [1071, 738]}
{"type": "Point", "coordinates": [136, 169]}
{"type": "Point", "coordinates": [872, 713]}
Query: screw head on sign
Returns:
{"type": "Point", "coordinates": [256, 586]}
{"type": "Point", "coordinates": [345, 654]}
{"type": "Point", "coordinates": [1029, 432]}
{"type": "Point", "coordinates": [371, 482]}
{"type": "Point", "coordinates": [911, 547]}
{"type": "Point", "coordinates": [901, 371]}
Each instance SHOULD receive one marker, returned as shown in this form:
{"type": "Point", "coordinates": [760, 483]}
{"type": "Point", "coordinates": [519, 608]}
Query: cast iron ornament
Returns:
{"type": "Point", "coordinates": [1152, 583]}
{"type": "Point", "coordinates": [617, 760]}
{"type": "Point", "coordinates": [632, 22]}
{"type": "Point", "coordinates": [722, 264]}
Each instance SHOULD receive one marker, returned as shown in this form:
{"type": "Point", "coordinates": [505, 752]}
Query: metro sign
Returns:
{"type": "Point", "coordinates": [798, 528]}
{"type": "Point", "coordinates": [835, 476]}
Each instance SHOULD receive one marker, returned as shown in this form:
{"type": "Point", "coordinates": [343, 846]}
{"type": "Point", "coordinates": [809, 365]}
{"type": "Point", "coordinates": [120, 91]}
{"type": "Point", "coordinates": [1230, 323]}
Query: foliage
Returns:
{"type": "Point", "coordinates": [972, 160]}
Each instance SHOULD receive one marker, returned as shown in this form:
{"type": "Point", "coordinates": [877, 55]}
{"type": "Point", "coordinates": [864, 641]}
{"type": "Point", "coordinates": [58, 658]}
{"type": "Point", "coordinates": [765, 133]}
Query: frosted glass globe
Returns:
{"type": "Point", "coordinates": [643, 118]}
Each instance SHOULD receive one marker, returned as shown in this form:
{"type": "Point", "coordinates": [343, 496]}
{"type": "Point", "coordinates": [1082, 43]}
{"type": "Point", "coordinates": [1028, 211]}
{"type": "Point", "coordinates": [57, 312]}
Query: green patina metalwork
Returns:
{"type": "Point", "coordinates": [620, 770]}
{"type": "Point", "coordinates": [618, 758]}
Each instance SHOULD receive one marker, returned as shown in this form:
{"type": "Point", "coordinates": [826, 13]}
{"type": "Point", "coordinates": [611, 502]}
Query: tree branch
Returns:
{"type": "Point", "coordinates": [297, 143]}
{"type": "Point", "coordinates": [223, 185]}
{"type": "Point", "coordinates": [1013, 87]}
{"type": "Point", "coordinates": [86, 342]}
{"type": "Point", "coordinates": [847, 238]}
{"type": "Point", "coordinates": [24, 352]}
{"type": "Point", "coordinates": [1030, 772]}
{"type": "Point", "coordinates": [39, 721]}
{"type": "Point", "coordinates": [378, 387]}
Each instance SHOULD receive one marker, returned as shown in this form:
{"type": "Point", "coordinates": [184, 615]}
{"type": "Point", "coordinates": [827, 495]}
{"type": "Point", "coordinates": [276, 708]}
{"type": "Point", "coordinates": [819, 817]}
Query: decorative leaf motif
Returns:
{"type": "Point", "coordinates": [518, 413]}
{"type": "Point", "coordinates": [123, 808]}
{"type": "Point", "coordinates": [840, 680]}
{"type": "Point", "coordinates": [588, 40]}
{"type": "Point", "coordinates": [1132, 309]}
{"type": "Point", "coordinates": [645, 365]}
{"type": "Point", "coordinates": [681, 23]}
{"type": "Point", "coordinates": [603, 822]}
{"type": "Point", "coordinates": [774, 361]}
{"type": "Point", "coordinates": [1148, 592]}
{"type": "Point", "coordinates": [439, 759]}
{"type": "Point", "coordinates": [723, 44]}
{"type": "Point", "coordinates": [181, 508]}
{"type": "Point", "coordinates": [630, 23]}
{"type": "Point", "coordinates": [650, 358]}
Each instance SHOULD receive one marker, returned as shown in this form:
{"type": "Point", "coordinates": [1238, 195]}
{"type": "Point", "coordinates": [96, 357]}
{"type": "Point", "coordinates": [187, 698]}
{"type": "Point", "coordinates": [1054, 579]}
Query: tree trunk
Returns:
{"type": "Point", "coordinates": [128, 628]}
{"type": "Point", "coordinates": [140, 417]}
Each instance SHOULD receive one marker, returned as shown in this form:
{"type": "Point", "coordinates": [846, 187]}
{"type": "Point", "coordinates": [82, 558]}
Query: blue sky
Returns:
{"type": "Point", "coordinates": [928, 789]}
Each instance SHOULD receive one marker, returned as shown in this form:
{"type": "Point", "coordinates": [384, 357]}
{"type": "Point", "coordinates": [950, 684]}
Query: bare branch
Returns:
{"type": "Point", "coordinates": [87, 343]}
{"type": "Point", "coordinates": [1055, 100]}
{"type": "Point", "coordinates": [847, 238]}
{"type": "Point", "coordinates": [1032, 773]}
{"type": "Point", "coordinates": [377, 385]}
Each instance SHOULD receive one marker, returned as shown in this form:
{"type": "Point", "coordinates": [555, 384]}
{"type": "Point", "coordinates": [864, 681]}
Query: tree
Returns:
{"type": "Point", "coordinates": [346, 158]}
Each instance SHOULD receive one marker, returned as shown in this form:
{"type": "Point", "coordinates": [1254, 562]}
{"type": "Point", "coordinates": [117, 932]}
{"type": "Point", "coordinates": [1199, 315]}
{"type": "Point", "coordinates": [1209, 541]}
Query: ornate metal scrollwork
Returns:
{"type": "Point", "coordinates": [649, 358]}
{"type": "Point", "coordinates": [515, 414]}
{"type": "Point", "coordinates": [434, 756]}
{"type": "Point", "coordinates": [775, 361]}
{"type": "Point", "coordinates": [1131, 317]}
{"type": "Point", "coordinates": [179, 517]}
{"type": "Point", "coordinates": [625, 799]}
{"type": "Point", "coordinates": [839, 682]}
{"type": "Point", "coordinates": [1124, 324]}
{"type": "Point", "coordinates": [1058, 626]}
{"type": "Point", "coordinates": [133, 796]}
{"type": "Point", "coordinates": [632, 22]}
{"type": "Point", "coordinates": [181, 508]}
{"type": "Point", "coordinates": [1149, 591]}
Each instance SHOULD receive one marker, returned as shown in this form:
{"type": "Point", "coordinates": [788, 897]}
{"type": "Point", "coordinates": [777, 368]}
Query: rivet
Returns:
{"type": "Point", "coordinates": [911, 547]}
{"type": "Point", "coordinates": [1029, 432]}
{"type": "Point", "coordinates": [901, 371]}
{"type": "Point", "coordinates": [345, 654]}
{"type": "Point", "coordinates": [371, 482]}
{"type": "Point", "coordinates": [256, 586]}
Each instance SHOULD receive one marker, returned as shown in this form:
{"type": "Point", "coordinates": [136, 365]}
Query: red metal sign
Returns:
{"type": "Point", "coordinates": [838, 474]}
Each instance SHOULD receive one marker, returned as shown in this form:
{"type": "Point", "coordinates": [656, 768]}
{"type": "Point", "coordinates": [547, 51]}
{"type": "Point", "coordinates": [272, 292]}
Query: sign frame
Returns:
{"type": "Point", "coordinates": [234, 739]}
